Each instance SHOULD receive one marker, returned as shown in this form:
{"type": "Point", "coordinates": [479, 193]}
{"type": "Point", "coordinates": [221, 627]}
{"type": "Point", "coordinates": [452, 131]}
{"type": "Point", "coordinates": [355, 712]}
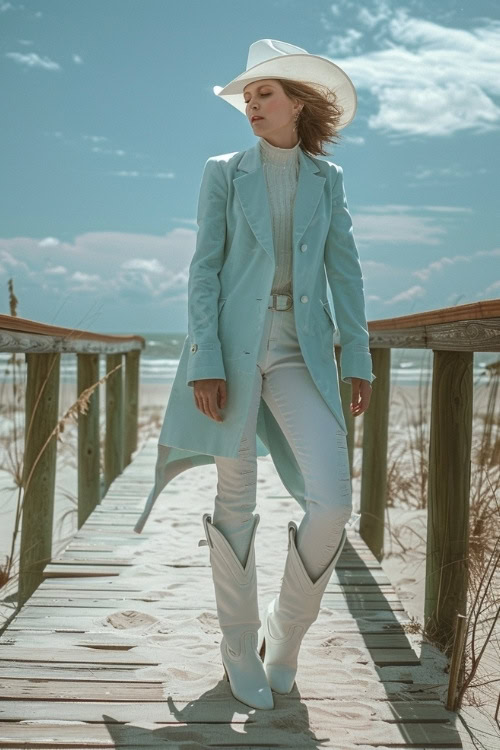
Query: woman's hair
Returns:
{"type": "Point", "coordinates": [318, 120]}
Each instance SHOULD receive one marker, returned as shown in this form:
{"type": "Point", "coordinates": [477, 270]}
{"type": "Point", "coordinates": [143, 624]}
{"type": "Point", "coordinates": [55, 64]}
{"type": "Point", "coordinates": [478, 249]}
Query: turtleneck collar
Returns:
{"type": "Point", "coordinates": [277, 155]}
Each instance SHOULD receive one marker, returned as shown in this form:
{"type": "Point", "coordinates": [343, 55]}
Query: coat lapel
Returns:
{"type": "Point", "coordinates": [251, 188]}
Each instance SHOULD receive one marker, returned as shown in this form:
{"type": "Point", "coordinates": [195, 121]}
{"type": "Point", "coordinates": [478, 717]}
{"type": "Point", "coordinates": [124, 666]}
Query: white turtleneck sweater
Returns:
{"type": "Point", "coordinates": [281, 171]}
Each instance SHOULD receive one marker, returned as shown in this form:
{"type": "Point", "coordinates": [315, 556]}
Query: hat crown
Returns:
{"type": "Point", "coordinates": [268, 49]}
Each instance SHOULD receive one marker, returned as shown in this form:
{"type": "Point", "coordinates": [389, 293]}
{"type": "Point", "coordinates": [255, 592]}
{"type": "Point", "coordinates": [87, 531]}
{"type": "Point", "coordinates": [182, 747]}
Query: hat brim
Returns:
{"type": "Point", "coordinates": [311, 69]}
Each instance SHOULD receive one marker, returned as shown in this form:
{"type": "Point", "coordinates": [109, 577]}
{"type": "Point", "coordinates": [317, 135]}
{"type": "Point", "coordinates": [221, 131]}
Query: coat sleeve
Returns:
{"type": "Point", "coordinates": [205, 354]}
{"type": "Point", "coordinates": [345, 278]}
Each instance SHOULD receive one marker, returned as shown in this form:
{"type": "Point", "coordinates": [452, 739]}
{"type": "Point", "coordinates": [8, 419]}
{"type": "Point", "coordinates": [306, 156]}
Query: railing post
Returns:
{"type": "Point", "coordinates": [345, 398]}
{"type": "Point", "coordinates": [39, 472]}
{"type": "Point", "coordinates": [114, 440]}
{"type": "Point", "coordinates": [89, 481]}
{"type": "Point", "coordinates": [374, 457]}
{"type": "Point", "coordinates": [132, 362]}
{"type": "Point", "coordinates": [448, 495]}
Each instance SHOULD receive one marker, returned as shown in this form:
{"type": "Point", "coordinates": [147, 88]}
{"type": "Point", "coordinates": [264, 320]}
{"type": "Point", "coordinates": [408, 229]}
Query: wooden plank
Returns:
{"type": "Point", "coordinates": [97, 688]}
{"type": "Point", "coordinates": [213, 708]}
{"type": "Point", "coordinates": [78, 609]}
{"type": "Point", "coordinates": [95, 557]}
{"type": "Point", "coordinates": [217, 734]}
{"type": "Point", "coordinates": [53, 589]}
{"type": "Point", "coordinates": [61, 569]}
{"type": "Point", "coordinates": [108, 640]}
{"type": "Point", "coordinates": [374, 622]}
{"type": "Point", "coordinates": [81, 690]}
{"type": "Point", "coordinates": [89, 599]}
{"type": "Point", "coordinates": [54, 672]}
{"type": "Point", "coordinates": [187, 574]}
{"type": "Point", "coordinates": [54, 662]}
{"type": "Point", "coordinates": [12, 654]}
{"type": "Point", "coordinates": [114, 643]}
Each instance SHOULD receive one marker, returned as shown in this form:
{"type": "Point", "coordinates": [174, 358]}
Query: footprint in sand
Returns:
{"type": "Point", "coordinates": [130, 619]}
{"type": "Point", "coordinates": [209, 622]}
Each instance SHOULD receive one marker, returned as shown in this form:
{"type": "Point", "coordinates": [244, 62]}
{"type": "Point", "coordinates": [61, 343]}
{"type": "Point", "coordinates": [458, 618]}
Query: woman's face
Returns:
{"type": "Point", "coordinates": [267, 99]}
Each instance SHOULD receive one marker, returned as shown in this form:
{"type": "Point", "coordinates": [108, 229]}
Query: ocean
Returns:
{"type": "Point", "coordinates": [160, 358]}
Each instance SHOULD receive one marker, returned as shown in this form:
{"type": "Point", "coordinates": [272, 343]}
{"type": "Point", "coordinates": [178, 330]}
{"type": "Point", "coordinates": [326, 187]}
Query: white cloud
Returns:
{"type": "Point", "coordinates": [191, 222]}
{"type": "Point", "coordinates": [49, 242]}
{"type": "Point", "coordinates": [125, 173]}
{"type": "Point", "coordinates": [56, 271]}
{"type": "Point", "coordinates": [114, 151]}
{"type": "Point", "coordinates": [445, 262]}
{"type": "Point", "coordinates": [407, 295]}
{"type": "Point", "coordinates": [95, 138]}
{"type": "Point", "coordinates": [356, 140]}
{"type": "Point", "coordinates": [142, 264]}
{"type": "Point", "coordinates": [347, 42]}
{"type": "Point", "coordinates": [396, 227]}
{"type": "Point", "coordinates": [33, 60]}
{"type": "Point", "coordinates": [369, 19]}
{"type": "Point", "coordinates": [449, 209]}
{"type": "Point", "coordinates": [109, 265]}
{"type": "Point", "coordinates": [77, 59]}
{"type": "Point", "coordinates": [428, 79]}
{"type": "Point", "coordinates": [8, 259]}
{"type": "Point", "coordinates": [135, 173]}
{"type": "Point", "coordinates": [492, 289]}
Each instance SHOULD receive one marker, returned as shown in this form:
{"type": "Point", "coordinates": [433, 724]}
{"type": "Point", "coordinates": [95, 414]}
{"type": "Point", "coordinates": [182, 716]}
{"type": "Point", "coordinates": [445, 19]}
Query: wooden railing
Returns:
{"type": "Point", "coordinates": [454, 334]}
{"type": "Point", "coordinates": [42, 345]}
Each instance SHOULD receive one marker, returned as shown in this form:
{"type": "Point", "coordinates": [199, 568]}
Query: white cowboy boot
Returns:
{"type": "Point", "coordinates": [238, 611]}
{"type": "Point", "coordinates": [290, 614]}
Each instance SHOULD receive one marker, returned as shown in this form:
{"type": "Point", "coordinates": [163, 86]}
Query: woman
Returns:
{"type": "Point", "coordinates": [258, 373]}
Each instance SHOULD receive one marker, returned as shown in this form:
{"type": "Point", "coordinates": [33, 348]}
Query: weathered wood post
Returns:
{"type": "Point", "coordinates": [132, 361]}
{"type": "Point", "coordinates": [39, 469]}
{"type": "Point", "coordinates": [345, 397]}
{"type": "Point", "coordinates": [89, 480]}
{"type": "Point", "coordinates": [448, 495]}
{"type": "Point", "coordinates": [374, 463]}
{"type": "Point", "coordinates": [114, 440]}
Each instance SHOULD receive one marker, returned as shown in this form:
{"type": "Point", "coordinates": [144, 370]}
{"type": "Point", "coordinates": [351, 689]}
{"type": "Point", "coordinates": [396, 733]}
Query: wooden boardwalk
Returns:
{"type": "Point", "coordinates": [115, 650]}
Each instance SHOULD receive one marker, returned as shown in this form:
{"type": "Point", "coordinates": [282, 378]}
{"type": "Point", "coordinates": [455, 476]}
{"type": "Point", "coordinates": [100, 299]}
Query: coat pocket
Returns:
{"type": "Point", "coordinates": [326, 308]}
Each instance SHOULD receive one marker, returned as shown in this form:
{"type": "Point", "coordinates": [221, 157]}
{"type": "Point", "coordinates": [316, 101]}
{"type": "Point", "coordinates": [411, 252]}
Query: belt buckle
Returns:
{"type": "Point", "coordinates": [282, 309]}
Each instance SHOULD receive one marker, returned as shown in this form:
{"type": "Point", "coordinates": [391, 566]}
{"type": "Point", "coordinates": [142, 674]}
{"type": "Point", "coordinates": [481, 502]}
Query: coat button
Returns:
{"type": "Point", "coordinates": [194, 348]}
{"type": "Point", "coordinates": [303, 248]}
{"type": "Point", "coordinates": [304, 298]}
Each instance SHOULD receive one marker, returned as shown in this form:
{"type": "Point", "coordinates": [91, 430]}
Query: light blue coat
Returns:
{"type": "Point", "coordinates": [230, 279]}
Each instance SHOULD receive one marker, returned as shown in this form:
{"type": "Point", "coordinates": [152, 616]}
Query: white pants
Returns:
{"type": "Point", "coordinates": [318, 443]}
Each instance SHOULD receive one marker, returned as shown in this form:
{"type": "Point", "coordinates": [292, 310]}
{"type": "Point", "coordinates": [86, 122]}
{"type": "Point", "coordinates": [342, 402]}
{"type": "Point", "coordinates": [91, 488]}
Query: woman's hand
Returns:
{"type": "Point", "coordinates": [361, 391]}
{"type": "Point", "coordinates": [209, 394]}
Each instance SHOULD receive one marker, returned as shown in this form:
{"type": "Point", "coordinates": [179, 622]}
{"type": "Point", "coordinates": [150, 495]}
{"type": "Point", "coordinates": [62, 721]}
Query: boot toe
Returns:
{"type": "Point", "coordinates": [247, 676]}
{"type": "Point", "coordinates": [261, 699]}
{"type": "Point", "coordinates": [251, 689]}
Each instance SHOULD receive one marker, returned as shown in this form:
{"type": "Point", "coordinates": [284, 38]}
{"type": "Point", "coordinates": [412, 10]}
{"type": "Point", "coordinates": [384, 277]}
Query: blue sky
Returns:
{"type": "Point", "coordinates": [109, 116]}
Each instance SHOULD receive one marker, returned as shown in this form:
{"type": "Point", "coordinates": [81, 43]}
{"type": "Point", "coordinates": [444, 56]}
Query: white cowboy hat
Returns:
{"type": "Point", "coordinates": [270, 58]}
